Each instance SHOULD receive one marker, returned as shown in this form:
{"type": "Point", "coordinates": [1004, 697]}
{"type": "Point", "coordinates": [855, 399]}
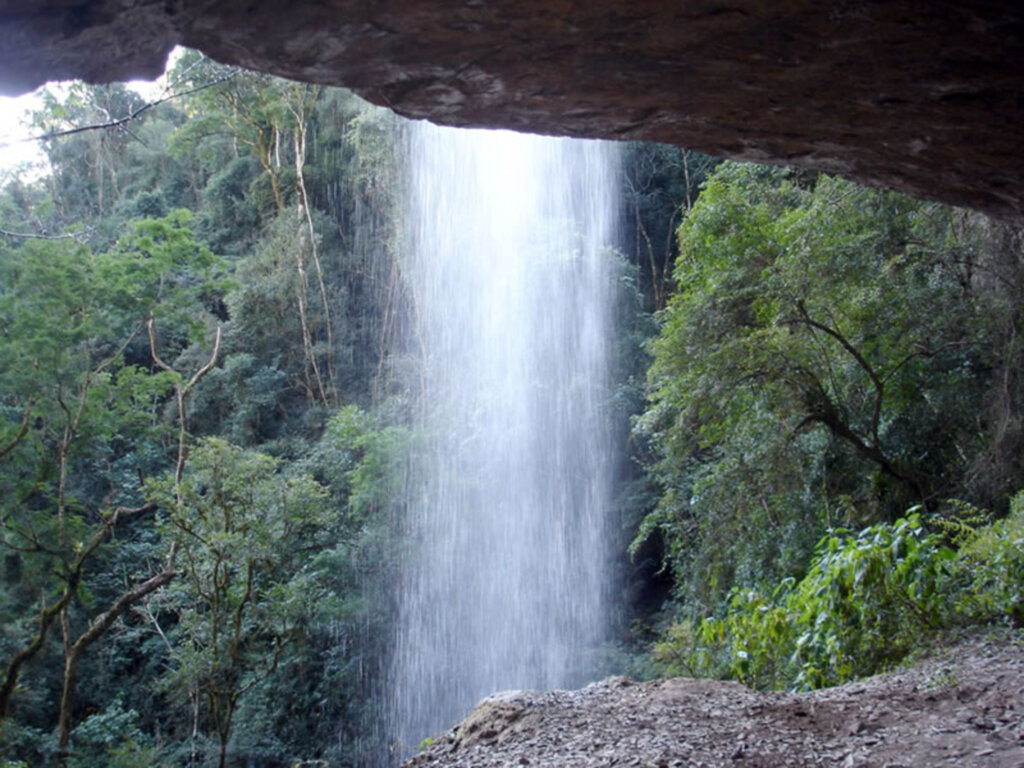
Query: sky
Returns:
{"type": "Point", "coordinates": [13, 115]}
{"type": "Point", "coordinates": [14, 124]}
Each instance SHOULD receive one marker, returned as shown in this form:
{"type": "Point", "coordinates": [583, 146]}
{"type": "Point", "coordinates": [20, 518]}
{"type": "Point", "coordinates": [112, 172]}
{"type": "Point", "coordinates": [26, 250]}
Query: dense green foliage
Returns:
{"type": "Point", "coordinates": [833, 357]}
{"type": "Point", "coordinates": [246, 540]}
{"type": "Point", "coordinates": [867, 601]}
{"type": "Point", "coordinates": [205, 431]}
{"type": "Point", "coordinates": [198, 483]}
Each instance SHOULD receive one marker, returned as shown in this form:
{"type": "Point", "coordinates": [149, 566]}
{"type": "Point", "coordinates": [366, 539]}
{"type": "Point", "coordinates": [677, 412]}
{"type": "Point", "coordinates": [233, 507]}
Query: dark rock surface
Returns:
{"type": "Point", "coordinates": [962, 707]}
{"type": "Point", "coordinates": [924, 96]}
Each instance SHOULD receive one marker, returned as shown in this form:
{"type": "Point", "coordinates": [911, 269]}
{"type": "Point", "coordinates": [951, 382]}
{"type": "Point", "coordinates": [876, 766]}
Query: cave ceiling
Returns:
{"type": "Point", "coordinates": [926, 97]}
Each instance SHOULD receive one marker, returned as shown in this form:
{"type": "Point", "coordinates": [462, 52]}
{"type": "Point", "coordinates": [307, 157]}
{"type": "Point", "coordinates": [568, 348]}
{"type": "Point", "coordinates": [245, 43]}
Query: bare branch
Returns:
{"type": "Point", "coordinates": [47, 614]}
{"type": "Point", "coordinates": [209, 364]}
{"type": "Point", "coordinates": [22, 430]}
{"type": "Point", "coordinates": [151, 327]}
{"type": "Point", "coordinates": [116, 123]}
{"type": "Point", "coordinates": [119, 512]}
{"type": "Point", "coordinates": [79, 236]}
{"type": "Point", "coordinates": [876, 381]}
{"type": "Point", "coordinates": [181, 392]}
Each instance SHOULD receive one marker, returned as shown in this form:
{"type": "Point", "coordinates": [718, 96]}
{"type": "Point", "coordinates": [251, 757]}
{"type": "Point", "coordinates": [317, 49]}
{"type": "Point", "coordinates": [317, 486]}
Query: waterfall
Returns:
{"type": "Point", "coordinates": [506, 576]}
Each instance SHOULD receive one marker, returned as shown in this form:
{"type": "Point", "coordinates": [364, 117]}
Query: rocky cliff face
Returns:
{"type": "Point", "coordinates": [927, 97]}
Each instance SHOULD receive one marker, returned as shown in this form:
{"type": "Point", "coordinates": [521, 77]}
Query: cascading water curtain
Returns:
{"type": "Point", "coordinates": [506, 574]}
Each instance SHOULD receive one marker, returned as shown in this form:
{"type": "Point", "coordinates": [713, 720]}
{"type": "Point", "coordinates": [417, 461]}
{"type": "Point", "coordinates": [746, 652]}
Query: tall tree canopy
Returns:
{"type": "Point", "coordinates": [827, 360]}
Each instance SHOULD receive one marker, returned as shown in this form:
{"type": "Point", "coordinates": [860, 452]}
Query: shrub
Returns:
{"type": "Point", "coordinates": [991, 566]}
{"type": "Point", "coordinates": [867, 601]}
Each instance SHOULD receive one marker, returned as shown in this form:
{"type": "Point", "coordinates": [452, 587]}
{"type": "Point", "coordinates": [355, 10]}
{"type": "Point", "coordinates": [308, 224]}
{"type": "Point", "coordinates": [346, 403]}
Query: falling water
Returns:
{"type": "Point", "coordinates": [506, 575]}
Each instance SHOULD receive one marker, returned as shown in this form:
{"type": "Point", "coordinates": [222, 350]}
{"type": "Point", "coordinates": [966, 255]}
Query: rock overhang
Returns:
{"type": "Point", "coordinates": [925, 97]}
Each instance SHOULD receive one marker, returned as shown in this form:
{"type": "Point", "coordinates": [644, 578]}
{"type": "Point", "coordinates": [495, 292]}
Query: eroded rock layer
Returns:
{"type": "Point", "coordinates": [927, 97]}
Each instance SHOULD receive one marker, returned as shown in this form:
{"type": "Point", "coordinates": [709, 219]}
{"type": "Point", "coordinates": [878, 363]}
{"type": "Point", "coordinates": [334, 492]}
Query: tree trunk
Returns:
{"type": "Point", "coordinates": [306, 214]}
{"type": "Point", "coordinates": [99, 625]}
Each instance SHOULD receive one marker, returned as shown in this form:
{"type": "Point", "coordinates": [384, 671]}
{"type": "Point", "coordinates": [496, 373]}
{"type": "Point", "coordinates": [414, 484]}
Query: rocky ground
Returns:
{"type": "Point", "coordinates": [961, 706]}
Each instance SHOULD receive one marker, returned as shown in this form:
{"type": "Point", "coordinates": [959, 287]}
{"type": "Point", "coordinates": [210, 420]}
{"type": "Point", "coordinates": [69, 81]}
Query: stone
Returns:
{"type": "Point", "coordinates": [923, 97]}
{"type": "Point", "coordinates": [704, 722]}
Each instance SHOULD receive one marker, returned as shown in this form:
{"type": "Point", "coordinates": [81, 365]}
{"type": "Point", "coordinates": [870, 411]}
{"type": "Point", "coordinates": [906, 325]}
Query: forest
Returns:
{"type": "Point", "coordinates": [206, 424]}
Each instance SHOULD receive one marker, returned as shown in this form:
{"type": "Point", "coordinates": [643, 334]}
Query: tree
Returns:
{"type": "Point", "coordinates": [797, 381]}
{"type": "Point", "coordinates": [64, 378]}
{"type": "Point", "coordinates": [77, 398]}
{"type": "Point", "coordinates": [128, 314]}
{"type": "Point", "coordinates": [244, 532]}
{"type": "Point", "coordinates": [661, 184]}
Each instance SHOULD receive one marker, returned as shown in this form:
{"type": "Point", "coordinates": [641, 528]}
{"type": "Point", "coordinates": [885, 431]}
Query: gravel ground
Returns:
{"type": "Point", "coordinates": [962, 706]}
